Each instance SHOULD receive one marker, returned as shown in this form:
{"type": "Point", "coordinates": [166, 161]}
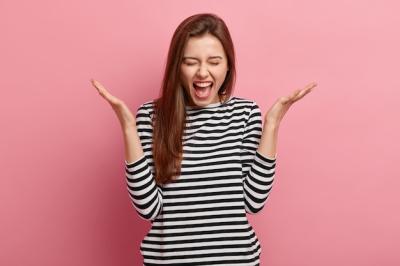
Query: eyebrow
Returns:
{"type": "Point", "coordinates": [211, 57]}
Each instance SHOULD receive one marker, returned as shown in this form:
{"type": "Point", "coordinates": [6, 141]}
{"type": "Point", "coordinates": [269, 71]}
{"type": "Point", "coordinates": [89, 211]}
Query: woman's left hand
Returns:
{"type": "Point", "coordinates": [275, 114]}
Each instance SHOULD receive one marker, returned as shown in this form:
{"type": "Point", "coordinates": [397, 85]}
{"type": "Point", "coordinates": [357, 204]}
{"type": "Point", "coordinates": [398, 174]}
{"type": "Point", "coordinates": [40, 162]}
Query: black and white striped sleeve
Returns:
{"type": "Point", "coordinates": [258, 169]}
{"type": "Point", "coordinates": [145, 194]}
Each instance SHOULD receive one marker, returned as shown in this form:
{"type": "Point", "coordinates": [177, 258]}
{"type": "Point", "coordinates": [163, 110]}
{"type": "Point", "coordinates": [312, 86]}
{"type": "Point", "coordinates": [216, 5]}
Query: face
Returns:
{"type": "Point", "coordinates": [203, 70]}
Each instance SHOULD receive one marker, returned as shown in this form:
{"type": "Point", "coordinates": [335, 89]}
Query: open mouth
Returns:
{"type": "Point", "coordinates": [202, 89]}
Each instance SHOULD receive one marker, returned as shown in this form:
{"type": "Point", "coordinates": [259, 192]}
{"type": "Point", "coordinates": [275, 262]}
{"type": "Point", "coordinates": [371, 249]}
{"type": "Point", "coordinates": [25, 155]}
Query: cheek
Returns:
{"type": "Point", "coordinates": [185, 79]}
{"type": "Point", "coordinates": [220, 76]}
{"type": "Point", "coordinates": [186, 75]}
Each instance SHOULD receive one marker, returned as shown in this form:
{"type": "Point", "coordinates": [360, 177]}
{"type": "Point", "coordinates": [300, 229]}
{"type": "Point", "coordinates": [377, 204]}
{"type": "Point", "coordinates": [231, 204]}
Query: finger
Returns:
{"type": "Point", "coordinates": [94, 83]}
{"type": "Point", "coordinates": [298, 94]}
{"type": "Point", "coordinates": [293, 94]}
{"type": "Point", "coordinates": [307, 88]}
{"type": "Point", "coordinates": [310, 86]}
{"type": "Point", "coordinates": [102, 90]}
{"type": "Point", "coordinates": [292, 97]}
{"type": "Point", "coordinates": [98, 85]}
{"type": "Point", "coordinates": [285, 99]}
{"type": "Point", "coordinates": [303, 93]}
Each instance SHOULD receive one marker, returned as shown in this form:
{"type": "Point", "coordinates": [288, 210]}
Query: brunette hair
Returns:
{"type": "Point", "coordinates": [169, 117]}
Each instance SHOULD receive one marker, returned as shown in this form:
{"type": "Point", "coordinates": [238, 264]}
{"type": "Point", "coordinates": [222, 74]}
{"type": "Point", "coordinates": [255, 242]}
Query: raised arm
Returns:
{"type": "Point", "coordinates": [258, 169]}
{"type": "Point", "coordinates": [144, 193]}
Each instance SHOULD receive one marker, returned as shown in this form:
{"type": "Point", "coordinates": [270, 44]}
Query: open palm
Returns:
{"type": "Point", "coordinates": [276, 113]}
{"type": "Point", "coordinates": [125, 116]}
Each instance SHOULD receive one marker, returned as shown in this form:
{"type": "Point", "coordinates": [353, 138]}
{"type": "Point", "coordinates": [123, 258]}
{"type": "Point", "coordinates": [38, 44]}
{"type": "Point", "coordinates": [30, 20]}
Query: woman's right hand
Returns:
{"type": "Point", "coordinates": [125, 117]}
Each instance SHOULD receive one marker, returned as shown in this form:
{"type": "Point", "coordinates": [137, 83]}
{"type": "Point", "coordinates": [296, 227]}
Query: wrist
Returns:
{"type": "Point", "coordinates": [129, 129]}
{"type": "Point", "coordinates": [271, 125]}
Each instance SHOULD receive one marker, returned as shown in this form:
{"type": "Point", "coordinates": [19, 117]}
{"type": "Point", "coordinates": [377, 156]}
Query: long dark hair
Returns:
{"type": "Point", "coordinates": [169, 109]}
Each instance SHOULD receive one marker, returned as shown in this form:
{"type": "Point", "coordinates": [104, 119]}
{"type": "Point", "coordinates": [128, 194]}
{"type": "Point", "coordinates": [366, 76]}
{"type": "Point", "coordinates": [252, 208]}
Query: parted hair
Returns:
{"type": "Point", "coordinates": [169, 117]}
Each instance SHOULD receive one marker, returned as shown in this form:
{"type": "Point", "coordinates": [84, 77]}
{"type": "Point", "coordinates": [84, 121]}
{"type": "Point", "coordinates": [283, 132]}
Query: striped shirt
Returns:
{"type": "Point", "coordinates": [200, 218]}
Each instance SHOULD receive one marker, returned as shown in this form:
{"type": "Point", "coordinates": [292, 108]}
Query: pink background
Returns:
{"type": "Point", "coordinates": [63, 198]}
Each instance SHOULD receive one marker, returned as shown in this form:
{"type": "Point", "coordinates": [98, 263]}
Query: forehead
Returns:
{"type": "Point", "coordinates": [204, 46]}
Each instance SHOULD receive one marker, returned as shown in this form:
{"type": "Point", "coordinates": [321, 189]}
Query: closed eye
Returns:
{"type": "Point", "coordinates": [191, 64]}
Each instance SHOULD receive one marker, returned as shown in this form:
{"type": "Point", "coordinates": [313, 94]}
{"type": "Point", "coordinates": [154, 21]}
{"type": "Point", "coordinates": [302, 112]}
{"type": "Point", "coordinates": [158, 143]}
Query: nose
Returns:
{"type": "Point", "coordinates": [202, 72]}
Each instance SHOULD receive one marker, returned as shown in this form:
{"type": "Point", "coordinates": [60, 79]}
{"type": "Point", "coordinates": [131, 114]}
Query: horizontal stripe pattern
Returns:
{"type": "Point", "coordinates": [200, 218]}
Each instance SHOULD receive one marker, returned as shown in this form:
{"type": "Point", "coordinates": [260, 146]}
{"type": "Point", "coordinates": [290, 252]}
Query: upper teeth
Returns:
{"type": "Point", "coordinates": [203, 84]}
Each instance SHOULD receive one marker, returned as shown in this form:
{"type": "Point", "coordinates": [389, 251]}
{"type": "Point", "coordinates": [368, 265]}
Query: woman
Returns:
{"type": "Point", "coordinates": [197, 159]}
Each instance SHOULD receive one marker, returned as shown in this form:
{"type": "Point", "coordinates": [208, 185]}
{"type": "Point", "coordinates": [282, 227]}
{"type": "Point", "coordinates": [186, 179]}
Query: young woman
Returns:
{"type": "Point", "coordinates": [197, 159]}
